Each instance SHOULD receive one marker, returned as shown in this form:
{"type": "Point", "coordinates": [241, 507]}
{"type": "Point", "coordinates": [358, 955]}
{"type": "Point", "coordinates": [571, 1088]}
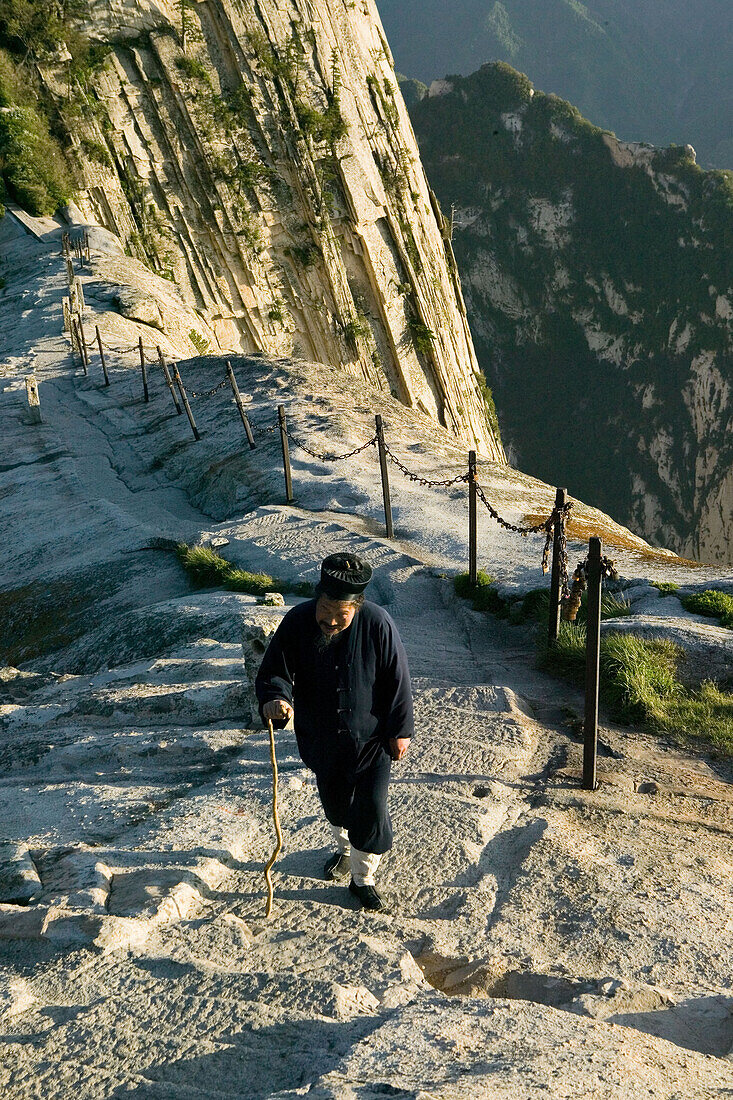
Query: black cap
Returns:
{"type": "Point", "coordinates": [342, 576]}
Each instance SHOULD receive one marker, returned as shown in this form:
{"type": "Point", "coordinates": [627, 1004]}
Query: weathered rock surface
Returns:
{"type": "Point", "coordinates": [260, 155]}
{"type": "Point", "coordinates": [542, 940]}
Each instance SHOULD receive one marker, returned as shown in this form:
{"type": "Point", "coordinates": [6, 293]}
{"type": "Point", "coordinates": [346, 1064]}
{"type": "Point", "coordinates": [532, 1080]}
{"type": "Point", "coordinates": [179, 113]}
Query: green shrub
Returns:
{"type": "Point", "coordinates": [712, 602]}
{"type": "Point", "coordinates": [534, 604]}
{"type": "Point", "coordinates": [666, 588]}
{"type": "Point", "coordinates": [96, 151]}
{"type": "Point", "coordinates": [483, 595]}
{"type": "Point", "coordinates": [422, 337]}
{"type": "Point", "coordinates": [199, 342]}
{"type": "Point", "coordinates": [276, 312]}
{"type": "Point", "coordinates": [358, 328]}
{"type": "Point", "coordinates": [193, 69]}
{"type": "Point", "coordinates": [33, 27]}
{"type": "Point", "coordinates": [33, 168]}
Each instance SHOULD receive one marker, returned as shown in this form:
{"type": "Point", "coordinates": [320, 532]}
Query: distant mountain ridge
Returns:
{"type": "Point", "coordinates": [599, 288]}
{"type": "Point", "coordinates": [650, 70]}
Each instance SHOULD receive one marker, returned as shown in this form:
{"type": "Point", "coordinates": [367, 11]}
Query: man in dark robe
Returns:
{"type": "Point", "coordinates": [337, 664]}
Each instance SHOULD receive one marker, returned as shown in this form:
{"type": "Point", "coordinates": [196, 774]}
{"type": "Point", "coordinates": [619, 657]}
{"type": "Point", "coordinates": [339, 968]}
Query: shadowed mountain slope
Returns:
{"type": "Point", "coordinates": [652, 70]}
{"type": "Point", "coordinates": [598, 283]}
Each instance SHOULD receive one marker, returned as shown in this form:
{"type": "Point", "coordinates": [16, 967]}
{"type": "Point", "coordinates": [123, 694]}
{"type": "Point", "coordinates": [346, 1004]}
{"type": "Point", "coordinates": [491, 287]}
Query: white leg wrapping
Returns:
{"type": "Point", "coordinates": [363, 867]}
{"type": "Point", "coordinates": [341, 837]}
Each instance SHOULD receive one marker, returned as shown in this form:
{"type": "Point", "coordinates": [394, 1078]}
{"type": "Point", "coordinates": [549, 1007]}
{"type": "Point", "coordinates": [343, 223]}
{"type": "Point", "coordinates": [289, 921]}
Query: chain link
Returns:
{"type": "Point", "coordinates": [211, 392]}
{"type": "Point", "coordinates": [557, 515]}
{"type": "Point", "coordinates": [422, 480]}
{"type": "Point", "coordinates": [259, 428]}
{"type": "Point", "coordinates": [330, 457]}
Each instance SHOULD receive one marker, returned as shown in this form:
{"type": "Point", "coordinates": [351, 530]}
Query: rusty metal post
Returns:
{"type": "Point", "coordinates": [472, 540]}
{"type": "Point", "coordinates": [238, 398]}
{"type": "Point", "coordinates": [553, 625]}
{"type": "Point", "coordinates": [592, 665]}
{"type": "Point", "coordinates": [286, 454]}
{"type": "Point", "coordinates": [101, 355]}
{"type": "Point", "coordinates": [142, 369]}
{"type": "Point", "coordinates": [81, 347]}
{"type": "Point", "coordinates": [384, 471]}
{"type": "Point", "coordinates": [169, 381]}
{"type": "Point", "coordinates": [187, 407]}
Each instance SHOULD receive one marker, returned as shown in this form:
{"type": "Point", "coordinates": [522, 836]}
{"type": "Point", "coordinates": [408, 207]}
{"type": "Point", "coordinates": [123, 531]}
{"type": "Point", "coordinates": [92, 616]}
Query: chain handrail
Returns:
{"type": "Point", "coordinates": [211, 392]}
{"type": "Point", "coordinates": [422, 480]}
{"type": "Point", "coordinates": [329, 457]}
{"type": "Point", "coordinates": [557, 518]}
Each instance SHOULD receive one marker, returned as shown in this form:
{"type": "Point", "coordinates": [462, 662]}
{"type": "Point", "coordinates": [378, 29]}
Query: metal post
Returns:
{"type": "Point", "coordinates": [169, 380]}
{"type": "Point", "coordinates": [553, 625]}
{"type": "Point", "coordinates": [384, 471]}
{"type": "Point", "coordinates": [79, 337]}
{"type": "Point", "coordinates": [238, 398]}
{"type": "Point", "coordinates": [592, 665]}
{"type": "Point", "coordinates": [187, 407]}
{"type": "Point", "coordinates": [472, 541]}
{"type": "Point", "coordinates": [143, 370]}
{"type": "Point", "coordinates": [286, 454]}
{"type": "Point", "coordinates": [101, 355]}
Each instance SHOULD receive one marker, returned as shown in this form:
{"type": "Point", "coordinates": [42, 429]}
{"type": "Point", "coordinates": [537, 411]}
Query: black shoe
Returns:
{"type": "Point", "coordinates": [336, 866]}
{"type": "Point", "coordinates": [367, 895]}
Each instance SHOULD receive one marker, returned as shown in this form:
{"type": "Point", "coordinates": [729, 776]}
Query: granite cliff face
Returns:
{"type": "Point", "coordinates": [260, 155]}
{"type": "Point", "coordinates": [598, 283]}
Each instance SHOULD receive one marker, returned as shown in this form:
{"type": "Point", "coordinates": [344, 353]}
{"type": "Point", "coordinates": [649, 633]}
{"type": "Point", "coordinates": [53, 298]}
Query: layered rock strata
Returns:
{"type": "Point", "coordinates": [260, 155]}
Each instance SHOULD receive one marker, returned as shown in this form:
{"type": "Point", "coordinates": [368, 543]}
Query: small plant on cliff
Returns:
{"type": "Point", "coordinates": [276, 312]}
{"type": "Point", "coordinates": [422, 337]}
{"type": "Point", "coordinates": [358, 328]}
{"type": "Point", "coordinates": [489, 407]}
{"type": "Point", "coordinates": [199, 342]}
{"type": "Point", "coordinates": [193, 69]}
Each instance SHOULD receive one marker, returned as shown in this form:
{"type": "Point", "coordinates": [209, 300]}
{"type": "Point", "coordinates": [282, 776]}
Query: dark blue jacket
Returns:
{"type": "Point", "coordinates": [374, 701]}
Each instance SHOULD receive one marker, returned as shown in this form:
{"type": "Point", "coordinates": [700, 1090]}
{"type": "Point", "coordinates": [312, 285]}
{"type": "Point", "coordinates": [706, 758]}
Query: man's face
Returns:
{"type": "Point", "coordinates": [333, 616]}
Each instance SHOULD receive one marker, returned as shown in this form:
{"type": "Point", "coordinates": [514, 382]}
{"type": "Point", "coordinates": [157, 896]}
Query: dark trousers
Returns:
{"type": "Point", "coordinates": [355, 798]}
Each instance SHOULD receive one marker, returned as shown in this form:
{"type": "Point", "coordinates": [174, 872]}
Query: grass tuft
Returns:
{"type": "Point", "coordinates": [714, 603]}
{"type": "Point", "coordinates": [613, 607]}
{"type": "Point", "coordinates": [483, 595]}
{"type": "Point", "coordinates": [666, 588]}
{"type": "Point", "coordinates": [639, 685]}
{"type": "Point", "coordinates": [209, 570]}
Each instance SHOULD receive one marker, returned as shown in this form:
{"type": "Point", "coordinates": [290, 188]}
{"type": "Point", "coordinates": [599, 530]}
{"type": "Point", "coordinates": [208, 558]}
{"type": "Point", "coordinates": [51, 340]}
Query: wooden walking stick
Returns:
{"type": "Point", "coordinates": [276, 819]}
